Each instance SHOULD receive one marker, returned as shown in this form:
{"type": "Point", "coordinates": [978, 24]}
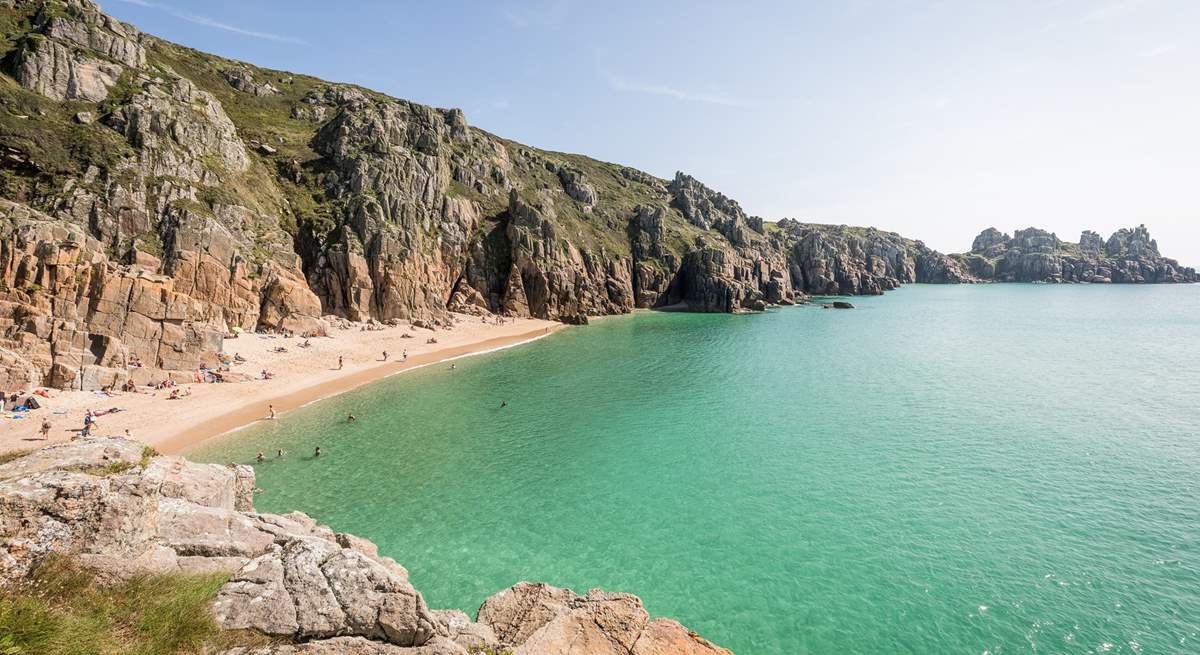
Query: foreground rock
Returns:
{"type": "Point", "coordinates": [538, 618]}
{"type": "Point", "coordinates": [123, 510]}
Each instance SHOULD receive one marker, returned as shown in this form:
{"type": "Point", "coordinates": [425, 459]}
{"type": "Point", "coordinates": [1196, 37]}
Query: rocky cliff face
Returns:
{"type": "Point", "coordinates": [156, 197]}
{"type": "Point", "coordinates": [845, 260]}
{"type": "Point", "coordinates": [118, 508]}
{"type": "Point", "coordinates": [1033, 255]}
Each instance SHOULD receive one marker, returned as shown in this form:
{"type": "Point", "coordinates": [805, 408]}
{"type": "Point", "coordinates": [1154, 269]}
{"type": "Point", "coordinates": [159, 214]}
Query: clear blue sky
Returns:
{"type": "Point", "coordinates": [934, 119]}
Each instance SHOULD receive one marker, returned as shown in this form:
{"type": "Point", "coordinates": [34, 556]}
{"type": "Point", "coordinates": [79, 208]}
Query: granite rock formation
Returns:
{"type": "Point", "coordinates": [1033, 255]}
{"type": "Point", "coordinates": [832, 260]}
{"type": "Point", "coordinates": [157, 197]}
{"type": "Point", "coordinates": [120, 509]}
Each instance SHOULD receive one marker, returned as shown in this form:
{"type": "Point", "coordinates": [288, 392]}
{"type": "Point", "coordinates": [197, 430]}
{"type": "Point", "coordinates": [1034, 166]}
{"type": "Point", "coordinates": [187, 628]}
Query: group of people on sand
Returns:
{"type": "Point", "coordinates": [403, 357]}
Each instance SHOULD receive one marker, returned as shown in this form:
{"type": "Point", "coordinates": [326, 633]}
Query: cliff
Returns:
{"type": "Point", "coordinates": [122, 511]}
{"type": "Point", "coordinates": [155, 198]}
{"type": "Point", "coordinates": [1033, 255]}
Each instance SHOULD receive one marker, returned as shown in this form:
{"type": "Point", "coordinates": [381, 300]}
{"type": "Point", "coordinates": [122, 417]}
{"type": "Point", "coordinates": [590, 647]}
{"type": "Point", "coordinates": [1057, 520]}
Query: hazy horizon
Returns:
{"type": "Point", "coordinates": [928, 119]}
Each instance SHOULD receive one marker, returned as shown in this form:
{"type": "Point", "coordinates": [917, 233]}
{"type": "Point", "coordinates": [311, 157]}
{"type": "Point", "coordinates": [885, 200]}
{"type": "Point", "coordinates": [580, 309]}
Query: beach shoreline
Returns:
{"type": "Point", "coordinates": [300, 377]}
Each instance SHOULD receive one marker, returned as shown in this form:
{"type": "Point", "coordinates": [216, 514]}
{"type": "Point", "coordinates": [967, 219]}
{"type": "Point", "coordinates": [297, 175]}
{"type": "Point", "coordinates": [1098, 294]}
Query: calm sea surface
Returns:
{"type": "Point", "coordinates": [946, 469]}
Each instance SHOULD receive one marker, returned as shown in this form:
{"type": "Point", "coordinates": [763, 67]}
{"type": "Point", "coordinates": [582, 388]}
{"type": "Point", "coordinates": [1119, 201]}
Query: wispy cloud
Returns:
{"type": "Point", "coordinates": [214, 23]}
{"type": "Point", "coordinates": [549, 13]}
{"type": "Point", "coordinates": [618, 83]}
{"type": "Point", "coordinates": [1160, 50]}
{"type": "Point", "coordinates": [1112, 9]}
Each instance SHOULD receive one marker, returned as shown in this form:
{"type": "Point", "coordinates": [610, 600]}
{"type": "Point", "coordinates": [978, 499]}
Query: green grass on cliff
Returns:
{"type": "Point", "coordinates": [63, 610]}
{"type": "Point", "coordinates": [14, 454]}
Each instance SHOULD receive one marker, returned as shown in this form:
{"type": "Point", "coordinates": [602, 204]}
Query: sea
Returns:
{"type": "Point", "coordinates": [991, 469]}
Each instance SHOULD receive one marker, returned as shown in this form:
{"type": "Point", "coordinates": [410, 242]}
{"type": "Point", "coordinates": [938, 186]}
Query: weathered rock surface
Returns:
{"type": "Point", "coordinates": [829, 260]}
{"type": "Point", "coordinates": [119, 508]}
{"type": "Point", "coordinates": [539, 619]}
{"type": "Point", "coordinates": [1033, 255]}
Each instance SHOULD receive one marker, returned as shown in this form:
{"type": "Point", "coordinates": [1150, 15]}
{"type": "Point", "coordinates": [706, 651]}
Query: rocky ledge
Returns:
{"type": "Point", "coordinates": [122, 510]}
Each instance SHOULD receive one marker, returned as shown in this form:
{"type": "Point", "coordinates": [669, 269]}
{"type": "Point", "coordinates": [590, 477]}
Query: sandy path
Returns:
{"type": "Point", "coordinates": [301, 376]}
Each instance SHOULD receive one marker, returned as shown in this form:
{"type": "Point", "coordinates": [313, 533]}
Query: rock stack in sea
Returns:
{"type": "Point", "coordinates": [121, 510]}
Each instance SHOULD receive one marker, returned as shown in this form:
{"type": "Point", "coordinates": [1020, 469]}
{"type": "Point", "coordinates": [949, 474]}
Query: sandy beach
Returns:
{"type": "Point", "coordinates": [299, 376]}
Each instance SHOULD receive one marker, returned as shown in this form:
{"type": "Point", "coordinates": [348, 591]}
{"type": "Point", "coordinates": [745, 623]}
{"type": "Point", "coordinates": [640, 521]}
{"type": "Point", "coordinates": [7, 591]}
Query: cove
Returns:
{"type": "Point", "coordinates": [996, 468]}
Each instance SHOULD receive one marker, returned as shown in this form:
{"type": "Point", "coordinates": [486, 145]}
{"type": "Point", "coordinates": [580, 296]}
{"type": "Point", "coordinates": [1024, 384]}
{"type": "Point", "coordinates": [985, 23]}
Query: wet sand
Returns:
{"type": "Point", "coordinates": [300, 376]}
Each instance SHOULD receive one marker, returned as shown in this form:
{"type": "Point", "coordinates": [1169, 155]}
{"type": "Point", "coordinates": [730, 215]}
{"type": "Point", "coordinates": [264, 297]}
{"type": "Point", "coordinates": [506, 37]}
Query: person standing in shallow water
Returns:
{"type": "Point", "coordinates": [271, 412]}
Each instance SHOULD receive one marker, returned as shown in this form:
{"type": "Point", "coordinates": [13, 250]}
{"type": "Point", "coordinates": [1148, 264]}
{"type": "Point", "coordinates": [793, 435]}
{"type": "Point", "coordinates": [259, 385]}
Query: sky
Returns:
{"type": "Point", "coordinates": [934, 119]}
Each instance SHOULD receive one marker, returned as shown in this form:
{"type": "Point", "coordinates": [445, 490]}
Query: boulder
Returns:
{"type": "Point", "coordinates": [314, 588]}
{"type": "Point", "coordinates": [534, 618]}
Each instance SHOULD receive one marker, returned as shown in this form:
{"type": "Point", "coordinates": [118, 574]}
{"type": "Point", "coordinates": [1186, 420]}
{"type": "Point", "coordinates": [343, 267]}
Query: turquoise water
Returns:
{"type": "Point", "coordinates": [946, 469]}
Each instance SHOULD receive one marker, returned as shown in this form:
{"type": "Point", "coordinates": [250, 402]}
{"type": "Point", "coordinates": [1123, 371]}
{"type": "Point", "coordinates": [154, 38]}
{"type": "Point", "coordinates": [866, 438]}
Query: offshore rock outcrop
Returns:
{"type": "Point", "coordinates": [122, 510]}
{"type": "Point", "coordinates": [1033, 255]}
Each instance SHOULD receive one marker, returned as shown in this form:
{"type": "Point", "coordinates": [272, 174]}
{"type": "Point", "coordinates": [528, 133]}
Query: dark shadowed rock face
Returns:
{"type": "Point", "coordinates": [123, 511]}
{"type": "Point", "coordinates": [1033, 255]}
{"type": "Point", "coordinates": [830, 260]}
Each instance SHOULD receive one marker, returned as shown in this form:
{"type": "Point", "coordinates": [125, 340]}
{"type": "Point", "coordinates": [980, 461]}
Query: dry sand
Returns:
{"type": "Point", "coordinates": [301, 376]}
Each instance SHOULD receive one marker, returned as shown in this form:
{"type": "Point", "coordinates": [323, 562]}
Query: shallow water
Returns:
{"type": "Point", "coordinates": [952, 469]}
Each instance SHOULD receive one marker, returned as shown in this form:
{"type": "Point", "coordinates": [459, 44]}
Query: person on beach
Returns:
{"type": "Point", "coordinates": [259, 458]}
{"type": "Point", "coordinates": [270, 412]}
{"type": "Point", "coordinates": [317, 452]}
{"type": "Point", "coordinates": [405, 356]}
{"type": "Point", "coordinates": [351, 419]}
{"type": "Point", "coordinates": [128, 434]}
{"type": "Point", "coordinates": [45, 429]}
{"type": "Point", "coordinates": [385, 355]}
{"type": "Point", "coordinates": [339, 362]}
